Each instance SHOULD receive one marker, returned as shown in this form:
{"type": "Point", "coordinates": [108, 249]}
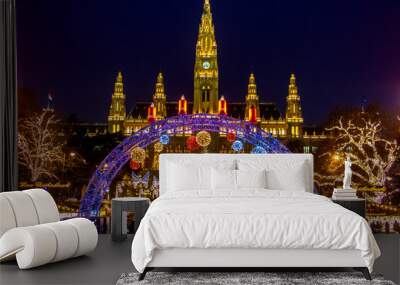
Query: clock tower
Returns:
{"type": "Point", "coordinates": [294, 117]}
{"type": "Point", "coordinates": [206, 66]}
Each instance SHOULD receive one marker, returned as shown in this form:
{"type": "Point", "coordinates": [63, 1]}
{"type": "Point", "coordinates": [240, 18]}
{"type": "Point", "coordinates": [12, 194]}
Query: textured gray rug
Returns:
{"type": "Point", "coordinates": [236, 278]}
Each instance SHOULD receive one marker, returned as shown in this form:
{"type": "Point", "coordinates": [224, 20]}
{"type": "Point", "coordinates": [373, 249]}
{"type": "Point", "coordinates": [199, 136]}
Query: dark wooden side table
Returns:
{"type": "Point", "coordinates": [119, 212]}
{"type": "Point", "coordinates": [357, 205]}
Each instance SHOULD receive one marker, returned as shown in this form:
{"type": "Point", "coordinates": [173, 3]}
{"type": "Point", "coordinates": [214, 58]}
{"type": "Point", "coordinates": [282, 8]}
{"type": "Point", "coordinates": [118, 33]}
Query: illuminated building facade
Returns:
{"type": "Point", "coordinates": [252, 112]}
{"type": "Point", "coordinates": [294, 118]}
{"type": "Point", "coordinates": [117, 114]}
{"type": "Point", "coordinates": [160, 99]}
{"type": "Point", "coordinates": [206, 98]}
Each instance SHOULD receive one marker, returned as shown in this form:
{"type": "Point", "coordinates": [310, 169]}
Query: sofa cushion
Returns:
{"type": "Point", "coordinates": [66, 238]}
{"type": "Point", "coordinates": [87, 235]}
{"type": "Point", "coordinates": [23, 208]}
{"type": "Point", "coordinates": [41, 244]}
{"type": "Point", "coordinates": [7, 218]}
{"type": "Point", "coordinates": [32, 246]}
{"type": "Point", "coordinates": [46, 208]}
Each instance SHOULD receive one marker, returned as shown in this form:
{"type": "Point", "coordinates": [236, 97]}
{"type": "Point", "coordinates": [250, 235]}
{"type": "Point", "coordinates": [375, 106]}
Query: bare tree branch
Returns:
{"type": "Point", "coordinates": [38, 149]}
{"type": "Point", "coordinates": [371, 154]}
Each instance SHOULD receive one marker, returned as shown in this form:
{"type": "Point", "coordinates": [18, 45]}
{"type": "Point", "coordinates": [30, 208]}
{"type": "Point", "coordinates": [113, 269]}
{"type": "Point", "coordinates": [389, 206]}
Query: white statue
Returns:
{"type": "Point", "coordinates": [347, 174]}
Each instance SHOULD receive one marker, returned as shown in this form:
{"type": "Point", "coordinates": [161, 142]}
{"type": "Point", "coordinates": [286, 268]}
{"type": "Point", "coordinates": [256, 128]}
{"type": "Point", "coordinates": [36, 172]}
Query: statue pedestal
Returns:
{"type": "Point", "coordinates": [344, 194]}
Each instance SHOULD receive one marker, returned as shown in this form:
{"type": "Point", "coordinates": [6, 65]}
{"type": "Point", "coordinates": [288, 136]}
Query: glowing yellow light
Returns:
{"type": "Point", "coordinates": [182, 106]}
{"type": "Point", "coordinates": [222, 106]}
{"type": "Point", "coordinates": [158, 147]}
{"type": "Point", "coordinates": [138, 154]}
{"type": "Point", "coordinates": [203, 138]}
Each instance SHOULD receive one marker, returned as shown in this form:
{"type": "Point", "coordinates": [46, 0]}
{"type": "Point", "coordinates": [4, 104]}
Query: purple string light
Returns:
{"type": "Point", "coordinates": [103, 176]}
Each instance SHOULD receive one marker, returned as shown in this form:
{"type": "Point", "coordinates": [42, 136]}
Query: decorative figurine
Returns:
{"type": "Point", "coordinates": [347, 174]}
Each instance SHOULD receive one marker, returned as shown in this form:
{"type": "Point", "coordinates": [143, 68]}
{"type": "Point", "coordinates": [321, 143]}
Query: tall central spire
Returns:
{"type": "Point", "coordinates": [206, 44]}
{"type": "Point", "coordinates": [206, 8]}
{"type": "Point", "coordinates": [206, 66]}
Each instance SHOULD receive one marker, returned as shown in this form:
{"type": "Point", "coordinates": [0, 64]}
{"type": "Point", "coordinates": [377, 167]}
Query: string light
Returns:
{"type": "Point", "coordinates": [134, 165]}
{"type": "Point", "coordinates": [158, 147]}
{"type": "Point", "coordinates": [119, 156]}
{"type": "Point", "coordinates": [164, 139]}
{"type": "Point", "coordinates": [191, 143]}
{"type": "Point", "coordinates": [258, 150]}
{"type": "Point", "coordinates": [231, 137]}
{"type": "Point", "coordinates": [203, 138]}
{"type": "Point", "coordinates": [138, 154]}
{"type": "Point", "coordinates": [237, 146]}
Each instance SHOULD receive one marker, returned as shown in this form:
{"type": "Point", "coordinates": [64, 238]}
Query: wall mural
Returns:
{"type": "Point", "coordinates": [129, 166]}
{"type": "Point", "coordinates": [195, 133]}
{"type": "Point", "coordinates": [114, 151]}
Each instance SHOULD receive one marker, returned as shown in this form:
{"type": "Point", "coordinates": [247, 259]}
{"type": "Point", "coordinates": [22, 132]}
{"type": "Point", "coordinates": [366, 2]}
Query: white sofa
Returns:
{"type": "Point", "coordinates": [31, 230]}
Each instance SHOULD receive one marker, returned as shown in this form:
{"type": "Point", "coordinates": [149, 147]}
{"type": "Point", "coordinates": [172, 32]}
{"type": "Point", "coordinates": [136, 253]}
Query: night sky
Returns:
{"type": "Point", "coordinates": [343, 52]}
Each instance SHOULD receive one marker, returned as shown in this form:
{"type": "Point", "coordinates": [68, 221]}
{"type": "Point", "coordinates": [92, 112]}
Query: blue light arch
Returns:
{"type": "Point", "coordinates": [119, 156]}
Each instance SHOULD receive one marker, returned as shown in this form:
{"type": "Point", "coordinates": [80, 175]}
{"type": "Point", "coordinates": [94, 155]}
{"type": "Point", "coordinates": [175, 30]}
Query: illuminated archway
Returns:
{"type": "Point", "coordinates": [119, 156]}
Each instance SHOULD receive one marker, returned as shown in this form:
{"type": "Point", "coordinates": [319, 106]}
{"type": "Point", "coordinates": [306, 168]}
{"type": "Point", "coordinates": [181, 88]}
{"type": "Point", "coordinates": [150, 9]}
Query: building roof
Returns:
{"type": "Point", "coordinates": [268, 111]}
{"type": "Point", "coordinates": [317, 130]}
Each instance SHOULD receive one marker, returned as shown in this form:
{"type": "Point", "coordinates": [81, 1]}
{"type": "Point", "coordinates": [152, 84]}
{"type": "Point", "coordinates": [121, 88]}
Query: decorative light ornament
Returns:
{"type": "Point", "coordinates": [102, 179]}
{"type": "Point", "coordinates": [258, 150]}
{"type": "Point", "coordinates": [164, 139]}
{"type": "Point", "coordinates": [104, 167]}
{"type": "Point", "coordinates": [237, 146]}
{"type": "Point", "coordinates": [203, 138]}
{"type": "Point", "coordinates": [158, 147]}
{"type": "Point", "coordinates": [182, 106]}
{"type": "Point", "coordinates": [134, 165]}
{"type": "Point", "coordinates": [151, 113]}
{"type": "Point", "coordinates": [191, 143]}
{"type": "Point", "coordinates": [230, 137]}
{"type": "Point", "coordinates": [138, 154]}
{"type": "Point", "coordinates": [222, 106]}
{"type": "Point", "coordinates": [253, 114]}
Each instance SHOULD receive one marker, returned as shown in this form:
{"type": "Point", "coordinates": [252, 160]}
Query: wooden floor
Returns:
{"type": "Point", "coordinates": [111, 259]}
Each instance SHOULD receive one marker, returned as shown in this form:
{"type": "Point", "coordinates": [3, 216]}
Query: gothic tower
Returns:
{"type": "Point", "coordinates": [294, 117]}
{"type": "Point", "coordinates": [252, 101]}
{"type": "Point", "coordinates": [160, 99]}
{"type": "Point", "coordinates": [116, 115]}
{"type": "Point", "coordinates": [206, 66]}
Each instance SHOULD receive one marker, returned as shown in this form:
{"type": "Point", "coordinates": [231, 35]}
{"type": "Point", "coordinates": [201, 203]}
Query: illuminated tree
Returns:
{"type": "Point", "coordinates": [372, 152]}
{"type": "Point", "coordinates": [38, 148]}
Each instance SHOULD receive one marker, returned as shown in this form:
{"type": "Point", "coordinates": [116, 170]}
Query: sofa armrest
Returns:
{"type": "Point", "coordinates": [40, 244]}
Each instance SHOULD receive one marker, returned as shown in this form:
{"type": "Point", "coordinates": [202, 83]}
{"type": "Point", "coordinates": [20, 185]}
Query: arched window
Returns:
{"type": "Point", "coordinates": [205, 94]}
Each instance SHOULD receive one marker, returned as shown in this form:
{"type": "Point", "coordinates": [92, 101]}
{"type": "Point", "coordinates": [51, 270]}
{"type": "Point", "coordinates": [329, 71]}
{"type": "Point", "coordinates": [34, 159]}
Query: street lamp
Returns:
{"type": "Point", "coordinates": [72, 155]}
